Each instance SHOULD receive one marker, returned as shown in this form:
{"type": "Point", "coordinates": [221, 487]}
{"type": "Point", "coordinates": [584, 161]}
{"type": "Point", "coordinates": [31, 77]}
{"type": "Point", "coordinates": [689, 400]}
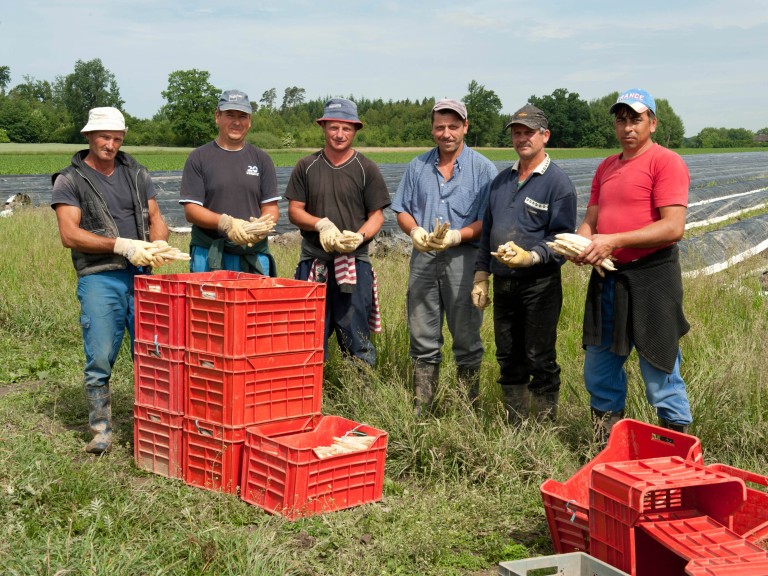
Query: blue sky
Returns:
{"type": "Point", "coordinates": [708, 59]}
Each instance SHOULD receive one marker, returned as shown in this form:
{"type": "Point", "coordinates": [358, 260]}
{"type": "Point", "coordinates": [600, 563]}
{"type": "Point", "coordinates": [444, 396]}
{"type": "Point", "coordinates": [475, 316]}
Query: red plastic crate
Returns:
{"type": "Point", "coordinates": [282, 474]}
{"type": "Point", "coordinates": [246, 391]}
{"type": "Point", "coordinates": [212, 455]}
{"type": "Point", "coordinates": [566, 504]}
{"type": "Point", "coordinates": [695, 545]}
{"type": "Point", "coordinates": [751, 520]}
{"type": "Point", "coordinates": [621, 494]}
{"type": "Point", "coordinates": [160, 304]}
{"type": "Point", "coordinates": [157, 441]}
{"type": "Point", "coordinates": [159, 373]}
{"type": "Point", "coordinates": [255, 317]}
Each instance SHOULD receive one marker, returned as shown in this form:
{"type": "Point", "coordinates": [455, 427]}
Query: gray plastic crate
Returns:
{"type": "Point", "coordinates": [573, 564]}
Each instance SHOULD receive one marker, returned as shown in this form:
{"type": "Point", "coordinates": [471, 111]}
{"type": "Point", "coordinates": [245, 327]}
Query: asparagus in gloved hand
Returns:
{"type": "Point", "coordinates": [572, 245]}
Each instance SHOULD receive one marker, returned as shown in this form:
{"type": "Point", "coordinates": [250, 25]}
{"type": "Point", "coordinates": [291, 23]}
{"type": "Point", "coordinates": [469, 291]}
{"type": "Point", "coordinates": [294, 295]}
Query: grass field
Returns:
{"type": "Point", "coordinates": [461, 493]}
{"type": "Point", "coordinates": [49, 158]}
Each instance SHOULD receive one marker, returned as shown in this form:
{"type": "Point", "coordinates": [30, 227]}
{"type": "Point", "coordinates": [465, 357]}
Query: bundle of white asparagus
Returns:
{"type": "Point", "coordinates": [440, 230]}
{"type": "Point", "coordinates": [163, 253]}
{"type": "Point", "coordinates": [260, 226]}
{"type": "Point", "coordinates": [344, 445]}
{"type": "Point", "coordinates": [348, 241]}
{"type": "Point", "coordinates": [573, 244]}
{"type": "Point", "coordinates": [504, 253]}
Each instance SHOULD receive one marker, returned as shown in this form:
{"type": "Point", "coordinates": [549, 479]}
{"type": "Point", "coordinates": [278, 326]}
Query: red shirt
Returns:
{"type": "Point", "coordinates": [629, 193]}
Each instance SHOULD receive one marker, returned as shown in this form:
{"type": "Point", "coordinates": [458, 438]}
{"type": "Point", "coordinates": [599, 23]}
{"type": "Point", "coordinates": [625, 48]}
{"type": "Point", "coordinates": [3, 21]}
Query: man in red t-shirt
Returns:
{"type": "Point", "coordinates": [636, 216]}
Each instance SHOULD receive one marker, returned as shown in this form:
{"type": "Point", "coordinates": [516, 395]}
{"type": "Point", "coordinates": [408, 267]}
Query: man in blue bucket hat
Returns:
{"type": "Point", "coordinates": [336, 197]}
{"type": "Point", "coordinates": [635, 216]}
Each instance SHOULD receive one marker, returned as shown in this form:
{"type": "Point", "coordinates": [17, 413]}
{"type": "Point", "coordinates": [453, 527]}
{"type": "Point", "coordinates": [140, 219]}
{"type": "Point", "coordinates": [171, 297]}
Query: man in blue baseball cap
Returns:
{"type": "Point", "coordinates": [636, 216]}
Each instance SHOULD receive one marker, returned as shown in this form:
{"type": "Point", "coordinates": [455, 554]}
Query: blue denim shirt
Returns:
{"type": "Point", "coordinates": [426, 195]}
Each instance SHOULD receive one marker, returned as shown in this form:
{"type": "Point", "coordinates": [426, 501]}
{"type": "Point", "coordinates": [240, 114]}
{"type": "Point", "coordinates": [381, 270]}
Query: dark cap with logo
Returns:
{"type": "Point", "coordinates": [234, 100]}
{"type": "Point", "coordinates": [529, 116]}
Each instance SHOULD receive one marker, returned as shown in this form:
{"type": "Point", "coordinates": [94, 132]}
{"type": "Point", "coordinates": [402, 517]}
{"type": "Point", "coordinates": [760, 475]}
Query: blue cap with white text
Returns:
{"type": "Point", "coordinates": [637, 99]}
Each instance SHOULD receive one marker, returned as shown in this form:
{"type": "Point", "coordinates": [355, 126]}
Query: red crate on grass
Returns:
{"type": "Point", "coordinates": [159, 373]}
{"type": "Point", "coordinates": [283, 475]}
{"type": "Point", "coordinates": [245, 391]}
{"type": "Point", "coordinates": [566, 504]}
{"type": "Point", "coordinates": [160, 304]}
{"type": "Point", "coordinates": [157, 441]}
{"type": "Point", "coordinates": [212, 455]}
{"type": "Point", "coordinates": [621, 494]}
{"type": "Point", "coordinates": [751, 520]}
{"type": "Point", "coordinates": [255, 317]}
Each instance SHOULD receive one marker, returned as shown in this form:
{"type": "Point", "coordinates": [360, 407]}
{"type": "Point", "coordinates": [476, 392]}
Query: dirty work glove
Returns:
{"type": "Point", "coordinates": [450, 238]}
{"type": "Point", "coordinates": [348, 241]}
{"type": "Point", "coordinates": [328, 234]}
{"type": "Point", "coordinates": [510, 254]}
{"type": "Point", "coordinates": [259, 228]}
{"type": "Point", "coordinates": [136, 251]}
{"type": "Point", "coordinates": [419, 238]}
{"type": "Point", "coordinates": [234, 229]}
{"type": "Point", "coordinates": [480, 299]}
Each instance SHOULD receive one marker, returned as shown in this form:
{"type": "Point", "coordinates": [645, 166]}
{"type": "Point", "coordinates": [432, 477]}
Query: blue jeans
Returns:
{"type": "Point", "coordinates": [199, 261]}
{"type": "Point", "coordinates": [606, 379]}
{"type": "Point", "coordinates": [106, 312]}
{"type": "Point", "coordinates": [525, 316]}
{"type": "Point", "coordinates": [347, 313]}
{"type": "Point", "coordinates": [439, 286]}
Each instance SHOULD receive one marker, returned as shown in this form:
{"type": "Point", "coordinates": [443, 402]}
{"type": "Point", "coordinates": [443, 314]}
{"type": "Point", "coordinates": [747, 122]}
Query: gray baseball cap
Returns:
{"type": "Point", "coordinates": [453, 105]}
{"type": "Point", "coordinates": [529, 116]}
{"type": "Point", "coordinates": [235, 100]}
{"type": "Point", "coordinates": [340, 110]}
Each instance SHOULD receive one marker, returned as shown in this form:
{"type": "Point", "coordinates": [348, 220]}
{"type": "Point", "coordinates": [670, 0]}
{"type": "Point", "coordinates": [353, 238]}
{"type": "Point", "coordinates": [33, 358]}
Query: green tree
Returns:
{"type": "Point", "coordinates": [568, 117]}
{"type": "Point", "coordinates": [599, 132]}
{"type": "Point", "coordinates": [5, 78]}
{"type": "Point", "coordinates": [670, 131]}
{"type": "Point", "coordinates": [90, 85]}
{"type": "Point", "coordinates": [268, 99]}
{"type": "Point", "coordinates": [191, 104]}
{"type": "Point", "coordinates": [483, 108]}
{"type": "Point", "coordinates": [293, 97]}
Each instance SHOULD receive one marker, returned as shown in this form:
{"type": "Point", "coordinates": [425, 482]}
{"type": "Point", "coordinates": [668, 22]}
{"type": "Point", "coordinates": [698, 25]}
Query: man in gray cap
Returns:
{"type": "Point", "coordinates": [440, 204]}
{"type": "Point", "coordinates": [229, 194]}
{"type": "Point", "coordinates": [108, 216]}
{"type": "Point", "coordinates": [528, 204]}
{"type": "Point", "coordinates": [336, 198]}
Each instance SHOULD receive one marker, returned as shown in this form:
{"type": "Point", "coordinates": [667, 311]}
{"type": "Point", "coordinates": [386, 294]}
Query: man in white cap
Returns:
{"type": "Point", "coordinates": [440, 203]}
{"type": "Point", "coordinates": [108, 216]}
{"type": "Point", "coordinates": [529, 203]}
{"type": "Point", "coordinates": [229, 194]}
{"type": "Point", "coordinates": [636, 216]}
{"type": "Point", "coordinates": [336, 198]}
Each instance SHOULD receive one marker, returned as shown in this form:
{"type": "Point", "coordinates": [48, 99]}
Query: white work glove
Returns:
{"type": "Point", "coordinates": [259, 228]}
{"type": "Point", "coordinates": [348, 241]}
{"type": "Point", "coordinates": [510, 254]}
{"type": "Point", "coordinates": [163, 253]}
{"type": "Point", "coordinates": [419, 238]}
{"type": "Point", "coordinates": [136, 251]}
{"type": "Point", "coordinates": [235, 230]}
{"type": "Point", "coordinates": [328, 234]}
{"type": "Point", "coordinates": [451, 238]}
{"type": "Point", "coordinates": [480, 299]}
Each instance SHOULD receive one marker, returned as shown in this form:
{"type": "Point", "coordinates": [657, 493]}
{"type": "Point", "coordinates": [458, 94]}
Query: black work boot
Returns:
{"type": "Point", "coordinates": [517, 402]}
{"type": "Point", "coordinates": [469, 379]}
{"type": "Point", "coordinates": [99, 418]}
{"type": "Point", "coordinates": [672, 426]}
{"type": "Point", "coordinates": [425, 378]}
{"type": "Point", "coordinates": [544, 406]}
{"type": "Point", "coordinates": [602, 422]}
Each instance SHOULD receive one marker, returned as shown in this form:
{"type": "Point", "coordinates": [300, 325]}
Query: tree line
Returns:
{"type": "Point", "coordinates": [55, 111]}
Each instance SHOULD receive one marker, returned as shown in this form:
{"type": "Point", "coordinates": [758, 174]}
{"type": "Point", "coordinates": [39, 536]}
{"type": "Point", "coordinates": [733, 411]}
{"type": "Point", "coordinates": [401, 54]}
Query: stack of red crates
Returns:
{"type": "Point", "coordinates": [228, 388]}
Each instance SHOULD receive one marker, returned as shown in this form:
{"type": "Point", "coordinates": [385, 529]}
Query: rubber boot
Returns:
{"type": "Point", "coordinates": [672, 426]}
{"type": "Point", "coordinates": [544, 406]}
{"type": "Point", "coordinates": [425, 377]}
{"type": "Point", "coordinates": [517, 402]}
{"type": "Point", "coordinates": [99, 419]}
{"type": "Point", "coordinates": [469, 379]}
{"type": "Point", "coordinates": [602, 422]}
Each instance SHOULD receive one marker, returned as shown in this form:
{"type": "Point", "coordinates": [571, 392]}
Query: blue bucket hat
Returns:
{"type": "Point", "coordinates": [235, 100]}
{"type": "Point", "coordinates": [341, 110]}
{"type": "Point", "coordinates": [637, 99]}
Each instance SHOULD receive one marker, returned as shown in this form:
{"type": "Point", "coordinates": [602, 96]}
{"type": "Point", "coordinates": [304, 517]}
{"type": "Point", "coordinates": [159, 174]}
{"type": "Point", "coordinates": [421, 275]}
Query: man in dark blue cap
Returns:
{"type": "Point", "coordinates": [336, 198]}
{"type": "Point", "coordinates": [229, 194]}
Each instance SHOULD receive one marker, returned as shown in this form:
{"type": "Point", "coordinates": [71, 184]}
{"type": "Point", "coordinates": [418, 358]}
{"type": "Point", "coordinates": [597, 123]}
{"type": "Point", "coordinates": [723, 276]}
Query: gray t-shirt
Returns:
{"type": "Point", "coordinates": [234, 182]}
{"type": "Point", "coordinates": [116, 190]}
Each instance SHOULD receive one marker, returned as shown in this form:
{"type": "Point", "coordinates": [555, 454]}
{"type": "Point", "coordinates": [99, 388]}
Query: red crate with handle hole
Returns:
{"type": "Point", "coordinates": [157, 441]}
